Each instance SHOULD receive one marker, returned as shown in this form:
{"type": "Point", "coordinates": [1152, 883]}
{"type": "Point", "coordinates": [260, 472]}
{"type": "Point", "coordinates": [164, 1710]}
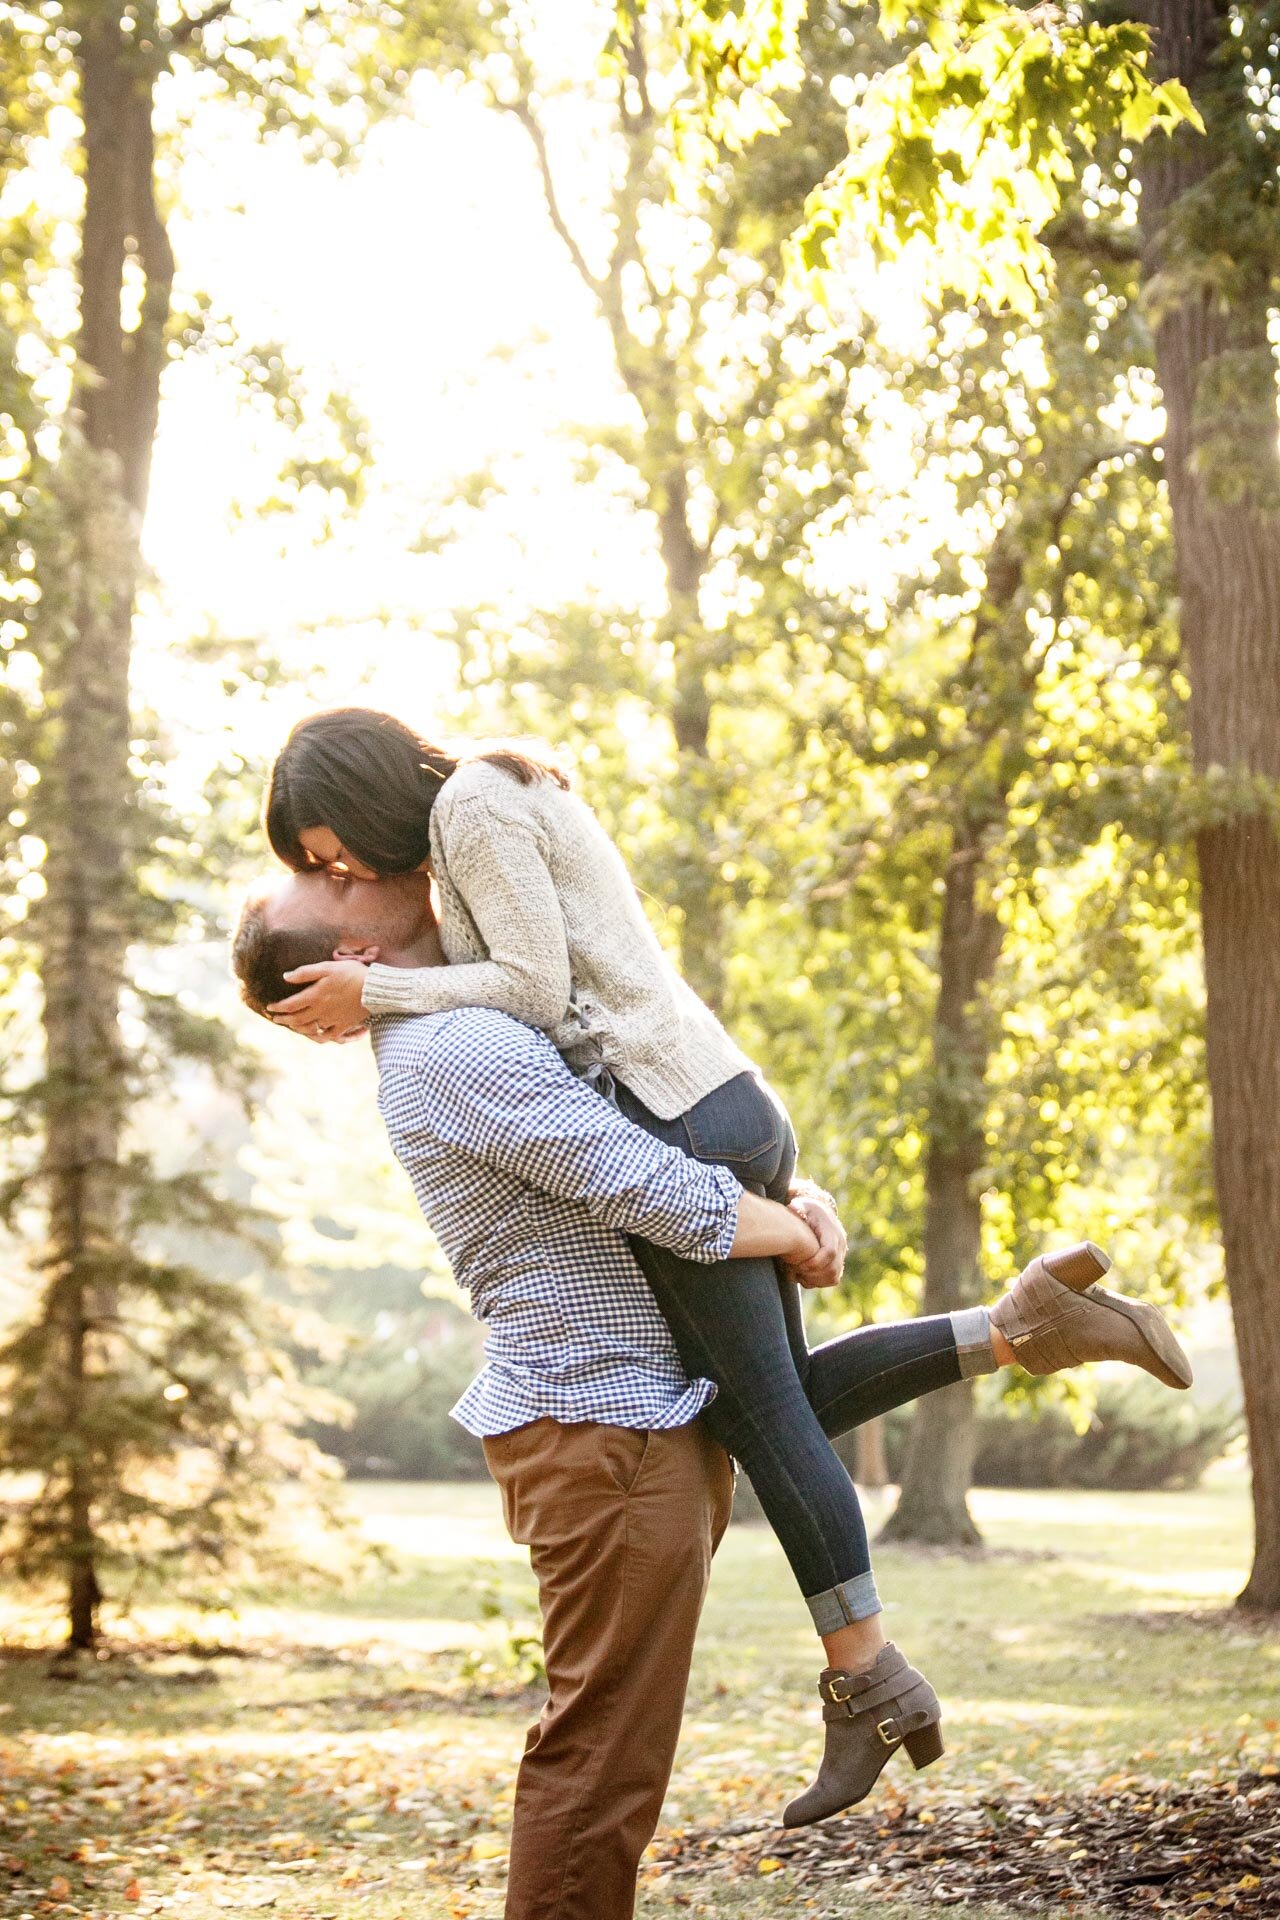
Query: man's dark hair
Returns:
{"type": "Point", "coordinates": [262, 955]}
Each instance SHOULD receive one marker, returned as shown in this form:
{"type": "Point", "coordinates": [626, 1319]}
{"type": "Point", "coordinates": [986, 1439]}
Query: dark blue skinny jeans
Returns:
{"type": "Point", "coordinates": [778, 1404]}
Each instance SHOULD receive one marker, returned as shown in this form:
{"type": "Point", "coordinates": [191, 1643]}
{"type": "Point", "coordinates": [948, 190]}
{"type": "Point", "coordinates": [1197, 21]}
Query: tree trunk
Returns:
{"type": "Point", "coordinates": [83, 815]}
{"type": "Point", "coordinates": [871, 1469]}
{"type": "Point", "coordinates": [1228, 565]}
{"type": "Point", "coordinates": [933, 1508]}
{"type": "Point", "coordinates": [85, 794]}
{"type": "Point", "coordinates": [696, 891]}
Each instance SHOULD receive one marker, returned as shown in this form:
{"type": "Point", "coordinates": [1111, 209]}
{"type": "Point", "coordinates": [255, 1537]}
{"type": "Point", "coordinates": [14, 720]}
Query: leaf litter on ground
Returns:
{"type": "Point", "coordinates": [1131, 1846]}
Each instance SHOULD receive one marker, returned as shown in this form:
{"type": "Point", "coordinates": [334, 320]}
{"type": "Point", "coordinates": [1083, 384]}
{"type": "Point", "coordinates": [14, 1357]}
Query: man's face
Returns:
{"type": "Point", "coordinates": [382, 919]}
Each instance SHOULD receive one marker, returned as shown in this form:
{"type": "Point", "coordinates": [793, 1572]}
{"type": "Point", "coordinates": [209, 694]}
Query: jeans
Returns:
{"type": "Point", "coordinates": [778, 1404]}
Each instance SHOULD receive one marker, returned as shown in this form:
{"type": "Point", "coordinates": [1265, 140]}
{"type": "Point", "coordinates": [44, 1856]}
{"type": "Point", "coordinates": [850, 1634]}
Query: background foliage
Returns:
{"type": "Point", "coordinates": [860, 626]}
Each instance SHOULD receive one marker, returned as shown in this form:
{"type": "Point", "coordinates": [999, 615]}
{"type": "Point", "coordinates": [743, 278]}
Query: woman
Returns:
{"type": "Point", "coordinates": [540, 920]}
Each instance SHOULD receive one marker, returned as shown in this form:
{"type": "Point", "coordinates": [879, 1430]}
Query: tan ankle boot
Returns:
{"type": "Point", "coordinates": [1055, 1315]}
{"type": "Point", "coordinates": [868, 1717]}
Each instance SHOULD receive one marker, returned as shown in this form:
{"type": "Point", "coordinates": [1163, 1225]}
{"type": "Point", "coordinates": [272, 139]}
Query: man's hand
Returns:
{"type": "Point", "coordinates": [817, 1210]}
{"type": "Point", "coordinates": [329, 1008]}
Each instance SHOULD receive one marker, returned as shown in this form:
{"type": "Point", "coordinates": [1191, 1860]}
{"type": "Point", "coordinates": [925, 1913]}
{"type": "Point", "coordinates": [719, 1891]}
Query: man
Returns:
{"type": "Point", "coordinates": [531, 1181]}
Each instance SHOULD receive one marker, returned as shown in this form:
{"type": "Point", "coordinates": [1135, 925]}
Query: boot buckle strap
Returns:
{"type": "Point", "coordinates": [889, 1733]}
{"type": "Point", "coordinates": [838, 1699]}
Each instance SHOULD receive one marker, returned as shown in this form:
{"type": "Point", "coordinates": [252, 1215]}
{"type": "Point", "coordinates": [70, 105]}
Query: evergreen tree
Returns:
{"type": "Point", "coordinates": [150, 1399]}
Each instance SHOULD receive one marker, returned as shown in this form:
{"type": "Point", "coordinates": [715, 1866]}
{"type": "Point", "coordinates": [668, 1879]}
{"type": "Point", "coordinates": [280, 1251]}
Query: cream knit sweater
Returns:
{"type": "Point", "coordinates": [540, 920]}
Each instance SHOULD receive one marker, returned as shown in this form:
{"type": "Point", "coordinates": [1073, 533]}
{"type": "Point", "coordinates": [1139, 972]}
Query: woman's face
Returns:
{"type": "Point", "coordinates": [325, 850]}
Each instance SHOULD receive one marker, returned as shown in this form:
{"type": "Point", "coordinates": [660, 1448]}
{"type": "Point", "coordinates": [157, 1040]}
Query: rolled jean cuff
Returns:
{"type": "Point", "coordinates": [972, 1329]}
{"type": "Point", "coordinates": [840, 1606]}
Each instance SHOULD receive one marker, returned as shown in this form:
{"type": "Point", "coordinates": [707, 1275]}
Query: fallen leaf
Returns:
{"type": "Point", "coordinates": [489, 1846]}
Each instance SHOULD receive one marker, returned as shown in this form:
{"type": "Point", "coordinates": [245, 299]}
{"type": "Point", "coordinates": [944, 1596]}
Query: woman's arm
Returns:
{"type": "Point", "coordinates": [498, 866]}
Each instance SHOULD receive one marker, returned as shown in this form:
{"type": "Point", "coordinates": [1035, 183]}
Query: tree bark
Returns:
{"type": "Point", "coordinates": [1228, 569]}
{"type": "Point", "coordinates": [696, 888]}
{"type": "Point", "coordinates": [933, 1507]}
{"type": "Point", "coordinates": [83, 815]}
{"type": "Point", "coordinates": [870, 1468]}
{"type": "Point", "coordinates": [86, 790]}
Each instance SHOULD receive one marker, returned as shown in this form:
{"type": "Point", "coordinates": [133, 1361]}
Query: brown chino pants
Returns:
{"type": "Point", "coordinates": [621, 1527]}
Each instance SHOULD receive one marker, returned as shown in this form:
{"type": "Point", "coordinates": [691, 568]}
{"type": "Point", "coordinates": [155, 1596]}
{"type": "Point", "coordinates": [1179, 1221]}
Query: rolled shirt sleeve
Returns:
{"type": "Point", "coordinates": [500, 1091]}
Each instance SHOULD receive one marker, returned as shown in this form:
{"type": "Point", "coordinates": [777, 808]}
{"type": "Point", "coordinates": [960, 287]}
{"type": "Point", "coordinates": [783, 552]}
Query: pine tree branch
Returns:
{"type": "Point", "coordinates": [122, 1332]}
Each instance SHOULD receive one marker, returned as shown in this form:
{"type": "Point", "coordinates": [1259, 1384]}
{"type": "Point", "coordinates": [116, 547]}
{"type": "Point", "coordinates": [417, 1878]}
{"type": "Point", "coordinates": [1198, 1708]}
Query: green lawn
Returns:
{"type": "Point", "coordinates": [354, 1757]}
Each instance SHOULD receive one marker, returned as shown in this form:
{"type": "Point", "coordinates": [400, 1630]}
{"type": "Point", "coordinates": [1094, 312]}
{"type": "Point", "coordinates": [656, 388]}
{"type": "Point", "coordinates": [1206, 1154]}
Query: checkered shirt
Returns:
{"type": "Point", "coordinates": [530, 1180]}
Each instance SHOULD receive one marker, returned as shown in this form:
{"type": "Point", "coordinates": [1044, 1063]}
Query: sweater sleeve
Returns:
{"type": "Point", "coordinates": [498, 866]}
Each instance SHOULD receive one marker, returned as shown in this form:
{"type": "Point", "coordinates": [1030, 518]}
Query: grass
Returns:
{"type": "Point", "coordinates": [355, 1757]}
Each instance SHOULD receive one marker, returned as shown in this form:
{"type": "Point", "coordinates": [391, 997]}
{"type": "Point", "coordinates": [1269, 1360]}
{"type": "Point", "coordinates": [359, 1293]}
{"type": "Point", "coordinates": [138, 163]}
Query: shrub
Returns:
{"type": "Point", "coordinates": [1140, 1436]}
{"type": "Point", "coordinates": [408, 1359]}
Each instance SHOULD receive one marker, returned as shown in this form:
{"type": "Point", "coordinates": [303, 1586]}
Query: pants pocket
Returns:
{"type": "Point", "coordinates": [498, 1455]}
{"type": "Point", "coordinates": [740, 1126]}
{"type": "Point", "coordinates": [625, 1450]}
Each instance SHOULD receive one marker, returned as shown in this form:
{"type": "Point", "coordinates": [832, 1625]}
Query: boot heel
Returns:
{"type": "Point", "coordinates": [925, 1746]}
{"type": "Point", "coordinates": [1079, 1266]}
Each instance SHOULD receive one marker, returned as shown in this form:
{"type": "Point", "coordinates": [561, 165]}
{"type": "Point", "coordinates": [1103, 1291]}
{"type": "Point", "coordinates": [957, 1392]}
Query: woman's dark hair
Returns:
{"type": "Point", "coordinates": [371, 780]}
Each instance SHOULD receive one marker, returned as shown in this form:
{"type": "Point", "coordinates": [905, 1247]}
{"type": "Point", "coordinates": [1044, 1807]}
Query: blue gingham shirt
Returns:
{"type": "Point", "coordinates": [530, 1180]}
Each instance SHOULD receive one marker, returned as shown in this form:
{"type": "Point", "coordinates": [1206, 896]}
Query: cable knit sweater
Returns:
{"type": "Point", "coordinates": [540, 920]}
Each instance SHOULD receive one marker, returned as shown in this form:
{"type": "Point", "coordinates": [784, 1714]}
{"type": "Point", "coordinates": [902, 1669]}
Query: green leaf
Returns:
{"type": "Point", "coordinates": [1180, 104]}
